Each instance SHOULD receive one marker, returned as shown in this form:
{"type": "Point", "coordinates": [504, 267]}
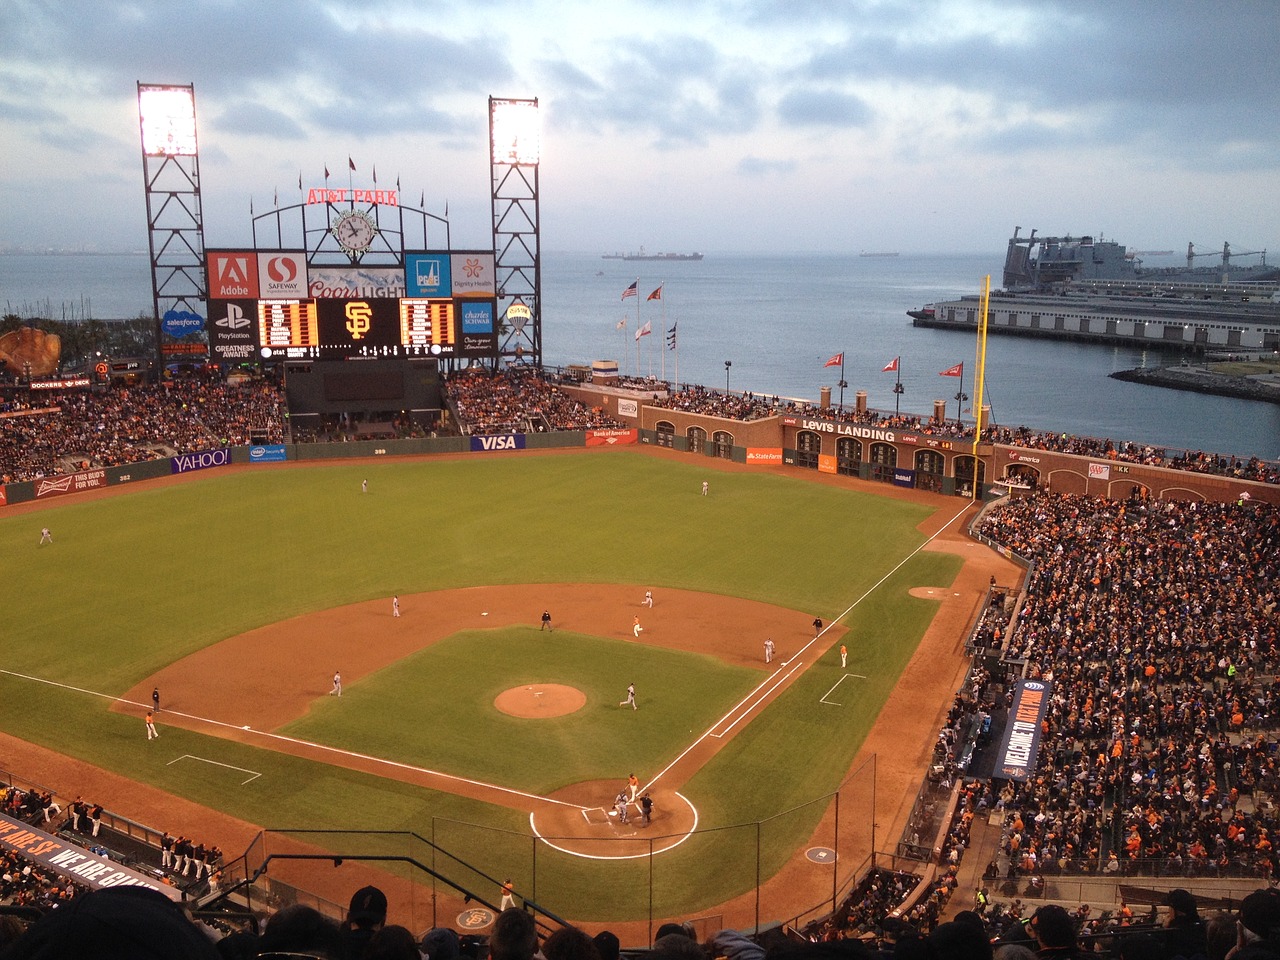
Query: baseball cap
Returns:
{"type": "Point", "coordinates": [1181, 900]}
{"type": "Point", "coordinates": [1260, 911]}
{"type": "Point", "coordinates": [441, 943]}
{"type": "Point", "coordinates": [368, 904]}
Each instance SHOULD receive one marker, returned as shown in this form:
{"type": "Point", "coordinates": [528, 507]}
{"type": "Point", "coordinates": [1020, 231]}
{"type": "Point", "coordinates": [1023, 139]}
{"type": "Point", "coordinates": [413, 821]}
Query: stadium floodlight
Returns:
{"type": "Point", "coordinates": [167, 115]}
{"type": "Point", "coordinates": [513, 131]}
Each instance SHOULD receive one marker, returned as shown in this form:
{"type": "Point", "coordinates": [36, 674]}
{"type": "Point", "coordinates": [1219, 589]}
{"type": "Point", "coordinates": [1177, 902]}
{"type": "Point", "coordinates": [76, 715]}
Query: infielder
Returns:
{"type": "Point", "coordinates": [844, 656]}
{"type": "Point", "coordinates": [768, 650]}
{"type": "Point", "coordinates": [636, 628]}
{"type": "Point", "coordinates": [151, 726]}
{"type": "Point", "coordinates": [395, 606]}
{"type": "Point", "coordinates": [631, 696]}
{"type": "Point", "coordinates": [648, 598]}
{"type": "Point", "coordinates": [337, 684]}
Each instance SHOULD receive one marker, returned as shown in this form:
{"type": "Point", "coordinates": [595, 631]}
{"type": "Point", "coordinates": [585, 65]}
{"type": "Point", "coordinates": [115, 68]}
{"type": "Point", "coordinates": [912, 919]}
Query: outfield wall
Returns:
{"type": "Point", "coordinates": [907, 459]}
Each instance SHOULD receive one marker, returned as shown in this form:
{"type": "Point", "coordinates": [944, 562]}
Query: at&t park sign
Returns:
{"type": "Point", "coordinates": [324, 195]}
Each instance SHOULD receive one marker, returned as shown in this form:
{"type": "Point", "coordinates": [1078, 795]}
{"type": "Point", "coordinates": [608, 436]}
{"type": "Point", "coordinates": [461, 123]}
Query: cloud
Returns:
{"type": "Point", "coordinates": [824, 108]}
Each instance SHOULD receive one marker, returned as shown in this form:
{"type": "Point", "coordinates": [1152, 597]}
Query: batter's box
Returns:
{"type": "Point", "coordinates": [597, 815]}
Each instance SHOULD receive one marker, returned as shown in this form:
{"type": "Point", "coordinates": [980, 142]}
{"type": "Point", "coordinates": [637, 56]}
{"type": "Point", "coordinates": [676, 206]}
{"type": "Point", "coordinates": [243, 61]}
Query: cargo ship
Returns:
{"type": "Point", "coordinates": [642, 255]}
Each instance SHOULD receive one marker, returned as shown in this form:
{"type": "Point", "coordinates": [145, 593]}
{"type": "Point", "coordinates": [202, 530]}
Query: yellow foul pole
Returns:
{"type": "Point", "coordinates": [980, 386]}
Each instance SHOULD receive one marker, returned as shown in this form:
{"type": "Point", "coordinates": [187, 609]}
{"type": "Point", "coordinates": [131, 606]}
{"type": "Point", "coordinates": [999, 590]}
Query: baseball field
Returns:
{"type": "Point", "coordinates": [240, 593]}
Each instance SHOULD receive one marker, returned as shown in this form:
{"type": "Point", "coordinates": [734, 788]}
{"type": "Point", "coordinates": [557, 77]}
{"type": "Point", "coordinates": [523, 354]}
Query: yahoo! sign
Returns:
{"type": "Point", "coordinates": [186, 462]}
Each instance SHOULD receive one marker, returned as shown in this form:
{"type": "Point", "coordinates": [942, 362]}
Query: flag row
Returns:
{"type": "Point", "coordinates": [893, 365]}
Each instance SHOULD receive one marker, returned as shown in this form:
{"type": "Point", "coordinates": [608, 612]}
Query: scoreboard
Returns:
{"type": "Point", "coordinates": [364, 314]}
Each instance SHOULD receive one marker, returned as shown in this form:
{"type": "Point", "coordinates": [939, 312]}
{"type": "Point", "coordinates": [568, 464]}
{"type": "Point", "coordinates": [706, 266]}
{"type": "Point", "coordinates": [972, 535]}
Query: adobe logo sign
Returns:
{"type": "Point", "coordinates": [233, 275]}
{"type": "Point", "coordinates": [282, 275]}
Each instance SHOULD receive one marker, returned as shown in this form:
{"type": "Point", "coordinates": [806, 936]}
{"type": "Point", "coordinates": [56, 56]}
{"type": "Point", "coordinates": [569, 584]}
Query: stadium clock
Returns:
{"type": "Point", "coordinates": [354, 231]}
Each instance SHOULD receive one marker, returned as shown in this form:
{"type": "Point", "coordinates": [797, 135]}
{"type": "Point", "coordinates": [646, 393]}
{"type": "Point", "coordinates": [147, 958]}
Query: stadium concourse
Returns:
{"type": "Point", "coordinates": [1152, 622]}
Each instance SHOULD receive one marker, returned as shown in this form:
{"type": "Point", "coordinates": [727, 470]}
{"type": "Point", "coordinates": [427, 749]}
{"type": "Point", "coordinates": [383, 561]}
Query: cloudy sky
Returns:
{"type": "Point", "coordinates": [715, 125]}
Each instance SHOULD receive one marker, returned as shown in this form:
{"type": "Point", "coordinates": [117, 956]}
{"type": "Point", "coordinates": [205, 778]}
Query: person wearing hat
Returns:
{"type": "Point", "coordinates": [365, 916]}
{"type": "Point", "coordinates": [1186, 930]}
{"type": "Point", "coordinates": [441, 943]}
{"type": "Point", "coordinates": [1055, 933]}
{"type": "Point", "coordinates": [1258, 928]}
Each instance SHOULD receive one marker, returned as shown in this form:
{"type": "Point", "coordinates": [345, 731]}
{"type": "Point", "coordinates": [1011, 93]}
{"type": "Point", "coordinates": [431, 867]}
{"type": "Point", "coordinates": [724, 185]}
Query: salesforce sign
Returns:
{"type": "Point", "coordinates": [179, 323]}
{"type": "Point", "coordinates": [186, 462]}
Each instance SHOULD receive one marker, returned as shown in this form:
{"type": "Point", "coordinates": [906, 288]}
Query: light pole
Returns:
{"type": "Point", "coordinates": [727, 365]}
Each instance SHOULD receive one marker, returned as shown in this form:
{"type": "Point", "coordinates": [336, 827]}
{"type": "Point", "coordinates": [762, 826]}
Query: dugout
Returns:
{"type": "Point", "coordinates": [362, 395]}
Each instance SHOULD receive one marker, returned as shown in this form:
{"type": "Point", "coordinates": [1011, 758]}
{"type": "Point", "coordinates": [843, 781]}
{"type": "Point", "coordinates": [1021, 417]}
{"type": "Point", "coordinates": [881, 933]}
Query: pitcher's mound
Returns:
{"type": "Point", "coordinates": [540, 700]}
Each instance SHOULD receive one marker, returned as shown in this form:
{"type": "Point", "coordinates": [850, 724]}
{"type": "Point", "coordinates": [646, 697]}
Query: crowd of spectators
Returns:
{"type": "Point", "coordinates": [44, 435]}
{"type": "Point", "coordinates": [1129, 452]}
{"type": "Point", "coordinates": [1156, 623]}
{"type": "Point", "coordinates": [76, 430]}
{"type": "Point", "coordinates": [519, 400]}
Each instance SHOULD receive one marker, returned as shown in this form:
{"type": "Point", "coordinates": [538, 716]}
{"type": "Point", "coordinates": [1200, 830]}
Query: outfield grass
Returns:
{"type": "Point", "coordinates": [136, 581]}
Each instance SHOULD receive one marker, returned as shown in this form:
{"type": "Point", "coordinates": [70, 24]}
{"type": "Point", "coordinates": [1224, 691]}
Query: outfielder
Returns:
{"type": "Point", "coordinates": [631, 696]}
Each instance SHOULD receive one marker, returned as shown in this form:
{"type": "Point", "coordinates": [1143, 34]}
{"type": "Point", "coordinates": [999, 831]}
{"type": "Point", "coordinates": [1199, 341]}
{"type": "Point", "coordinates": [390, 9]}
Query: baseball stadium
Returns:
{"type": "Point", "coordinates": [623, 656]}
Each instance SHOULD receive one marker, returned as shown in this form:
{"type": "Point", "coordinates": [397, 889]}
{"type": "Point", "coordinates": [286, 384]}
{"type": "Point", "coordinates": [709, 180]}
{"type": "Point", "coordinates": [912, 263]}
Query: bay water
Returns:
{"type": "Point", "coordinates": [777, 320]}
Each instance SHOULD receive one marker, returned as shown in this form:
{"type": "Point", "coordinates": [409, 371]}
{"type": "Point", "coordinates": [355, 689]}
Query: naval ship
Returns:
{"type": "Point", "coordinates": [1081, 289]}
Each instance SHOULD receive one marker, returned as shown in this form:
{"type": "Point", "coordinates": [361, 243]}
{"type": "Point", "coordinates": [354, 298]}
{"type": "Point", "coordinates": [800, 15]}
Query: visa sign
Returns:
{"type": "Point", "coordinates": [510, 441]}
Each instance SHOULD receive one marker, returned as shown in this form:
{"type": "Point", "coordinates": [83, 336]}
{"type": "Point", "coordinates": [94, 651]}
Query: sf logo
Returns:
{"type": "Point", "coordinates": [359, 317]}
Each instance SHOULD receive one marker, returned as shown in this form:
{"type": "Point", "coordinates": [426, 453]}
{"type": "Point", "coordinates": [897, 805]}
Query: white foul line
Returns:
{"type": "Point", "coordinates": [875, 586]}
{"type": "Point", "coordinates": [307, 743]}
{"type": "Point", "coordinates": [190, 756]}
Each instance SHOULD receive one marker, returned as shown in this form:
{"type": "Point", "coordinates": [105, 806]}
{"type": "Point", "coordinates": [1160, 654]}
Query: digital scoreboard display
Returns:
{"type": "Point", "coordinates": [427, 323]}
{"type": "Point", "coordinates": [440, 304]}
{"type": "Point", "coordinates": [288, 323]}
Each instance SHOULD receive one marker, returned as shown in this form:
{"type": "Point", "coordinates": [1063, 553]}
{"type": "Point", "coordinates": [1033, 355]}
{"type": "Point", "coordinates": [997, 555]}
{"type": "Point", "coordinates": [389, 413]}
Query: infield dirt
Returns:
{"type": "Point", "coordinates": [901, 738]}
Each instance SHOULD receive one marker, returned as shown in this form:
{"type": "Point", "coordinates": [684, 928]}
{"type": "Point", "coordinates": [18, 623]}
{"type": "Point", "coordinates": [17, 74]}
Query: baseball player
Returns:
{"type": "Point", "coordinates": [395, 606]}
{"type": "Point", "coordinates": [633, 784]}
{"type": "Point", "coordinates": [508, 895]}
{"type": "Point", "coordinates": [636, 628]}
{"type": "Point", "coordinates": [337, 684]}
{"type": "Point", "coordinates": [648, 598]}
{"type": "Point", "coordinates": [364, 486]}
{"type": "Point", "coordinates": [152, 734]}
{"type": "Point", "coordinates": [844, 656]}
{"type": "Point", "coordinates": [704, 488]}
{"type": "Point", "coordinates": [45, 536]}
{"type": "Point", "coordinates": [631, 696]}
{"type": "Point", "coordinates": [768, 650]}
{"type": "Point", "coordinates": [620, 804]}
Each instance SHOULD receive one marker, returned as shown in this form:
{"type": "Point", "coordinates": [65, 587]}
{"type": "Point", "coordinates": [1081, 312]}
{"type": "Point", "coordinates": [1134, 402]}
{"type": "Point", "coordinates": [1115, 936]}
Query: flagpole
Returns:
{"type": "Point", "coordinates": [664, 327]}
{"type": "Point", "coordinates": [960, 395]}
{"type": "Point", "coordinates": [981, 385]}
{"type": "Point", "coordinates": [842, 381]}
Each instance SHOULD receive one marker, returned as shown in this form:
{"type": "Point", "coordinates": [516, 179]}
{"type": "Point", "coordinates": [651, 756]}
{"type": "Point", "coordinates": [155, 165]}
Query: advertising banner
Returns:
{"type": "Point", "coordinates": [1021, 741]}
{"type": "Point", "coordinates": [508, 441]}
{"type": "Point", "coordinates": [609, 438]}
{"type": "Point", "coordinates": [233, 274]}
{"type": "Point", "coordinates": [628, 408]}
{"type": "Point", "coordinates": [53, 854]}
{"type": "Point", "coordinates": [764, 456]}
{"type": "Point", "coordinates": [826, 463]}
{"type": "Point", "coordinates": [477, 317]}
{"type": "Point", "coordinates": [267, 453]}
{"type": "Point", "coordinates": [64, 383]}
{"type": "Point", "coordinates": [355, 283]}
{"type": "Point", "coordinates": [282, 275]}
{"type": "Point", "coordinates": [231, 328]}
{"type": "Point", "coordinates": [473, 275]}
{"type": "Point", "coordinates": [1099, 471]}
{"type": "Point", "coordinates": [903, 477]}
{"type": "Point", "coordinates": [71, 483]}
{"type": "Point", "coordinates": [181, 323]}
{"type": "Point", "coordinates": [186, 462]}
{"type": "Point", "coordinates": [428, 275]}
{"type": "Point", "coordinates": [4, 497]}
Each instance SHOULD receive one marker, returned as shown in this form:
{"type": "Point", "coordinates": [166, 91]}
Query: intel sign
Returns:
{"type": "Point", "coordinates": [179, 323]}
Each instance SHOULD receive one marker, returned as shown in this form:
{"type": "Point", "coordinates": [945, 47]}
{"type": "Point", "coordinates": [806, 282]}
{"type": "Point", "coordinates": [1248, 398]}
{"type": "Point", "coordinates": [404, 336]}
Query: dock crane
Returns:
{"type": "Point", "coordinates": [1226, 257]}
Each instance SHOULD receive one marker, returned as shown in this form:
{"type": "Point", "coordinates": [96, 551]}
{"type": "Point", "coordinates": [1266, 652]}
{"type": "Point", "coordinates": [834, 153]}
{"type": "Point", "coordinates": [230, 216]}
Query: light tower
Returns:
{"type": "Point", "coordinates": [513, 169]}
{"type": "Point", "coordinates": [175, 218]}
